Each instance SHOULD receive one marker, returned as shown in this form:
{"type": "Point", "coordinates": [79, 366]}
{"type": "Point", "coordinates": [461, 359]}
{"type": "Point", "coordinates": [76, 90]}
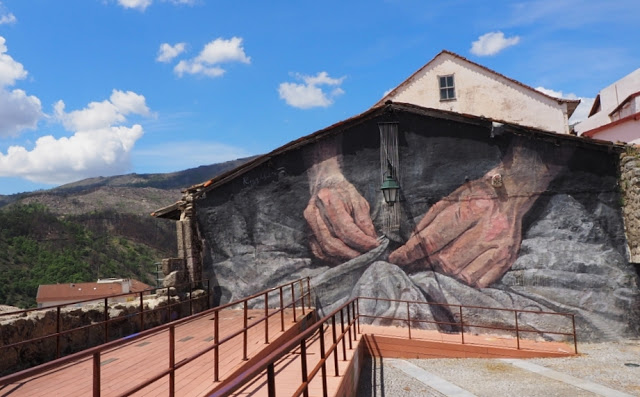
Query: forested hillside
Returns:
{"type": "Point", "coordinates": [38, 248]}
{"type": "Point", "coordinates": [99, 227]}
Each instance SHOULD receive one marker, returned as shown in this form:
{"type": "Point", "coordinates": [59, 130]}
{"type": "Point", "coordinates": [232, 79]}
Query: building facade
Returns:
{"type": "Point", "coordinates": [488, 214]}
{"type": "Point", "coordinates": [454, 83]}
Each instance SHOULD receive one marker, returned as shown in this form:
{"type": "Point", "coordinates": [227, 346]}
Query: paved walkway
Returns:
{"type": "Point", "coordinates": [601, 370]}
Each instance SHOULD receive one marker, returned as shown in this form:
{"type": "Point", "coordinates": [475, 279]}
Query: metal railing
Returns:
{"type": "Point", "coordinates": [346, 333]}
{"type": "Point", "coordinates": [95, 352]}
{"type": "Point", "coordinates": [106, 321]}
{"type": "Point", "coordinates": [349, 329]}
{"type": "Point", "coordinates": [461, 323]}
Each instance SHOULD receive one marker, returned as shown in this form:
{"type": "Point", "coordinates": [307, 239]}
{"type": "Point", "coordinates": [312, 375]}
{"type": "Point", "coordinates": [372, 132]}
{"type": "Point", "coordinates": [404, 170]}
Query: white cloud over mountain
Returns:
{"type": "Point", "coordinates": [100, 145]}
{"type": "Point", "coordinates": [309, 93]}
{"type": "Point", "coordinates": [492, 43]}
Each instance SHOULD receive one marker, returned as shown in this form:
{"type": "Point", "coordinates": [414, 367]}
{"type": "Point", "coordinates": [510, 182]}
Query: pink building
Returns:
{"type": "Point", "coordinates": [615, 114]}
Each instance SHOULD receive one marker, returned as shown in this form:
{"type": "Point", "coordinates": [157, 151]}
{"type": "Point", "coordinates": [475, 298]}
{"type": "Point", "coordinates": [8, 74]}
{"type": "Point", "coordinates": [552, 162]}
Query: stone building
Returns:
{"type": "Point", "coordinates": [487, 214]}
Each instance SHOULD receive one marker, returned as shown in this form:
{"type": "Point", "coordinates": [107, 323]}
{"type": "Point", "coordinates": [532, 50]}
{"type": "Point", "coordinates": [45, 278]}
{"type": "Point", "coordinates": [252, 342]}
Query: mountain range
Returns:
{"type": "Point", "coordinates": [89, 229]}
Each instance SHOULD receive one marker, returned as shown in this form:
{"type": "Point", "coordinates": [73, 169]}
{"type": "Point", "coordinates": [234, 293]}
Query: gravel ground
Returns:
{"type": "Point", "coordinates": [602, 363]}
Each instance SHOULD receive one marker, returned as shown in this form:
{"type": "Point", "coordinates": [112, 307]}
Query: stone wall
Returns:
{"type": "Point", "coordinates": [125, 321]}
{"type": "Point", "coordinates": [630, 187]}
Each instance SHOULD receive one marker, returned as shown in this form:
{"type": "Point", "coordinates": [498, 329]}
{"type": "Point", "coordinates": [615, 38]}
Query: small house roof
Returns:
{"type": "Point", "coordinates": [83, 291]}
{"type": "Point", "coordinates": [572, 104]}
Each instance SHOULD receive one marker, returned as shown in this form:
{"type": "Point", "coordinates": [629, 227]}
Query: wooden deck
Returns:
{"type": "Point", "coordinates": [129, 365]}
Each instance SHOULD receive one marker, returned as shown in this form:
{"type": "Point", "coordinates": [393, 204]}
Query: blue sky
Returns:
{"type": "Point", "coordinates": [105, 87]}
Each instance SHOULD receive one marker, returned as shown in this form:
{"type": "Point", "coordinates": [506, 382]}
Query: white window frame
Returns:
{"type": "Point", "coordinates": [446, 88]}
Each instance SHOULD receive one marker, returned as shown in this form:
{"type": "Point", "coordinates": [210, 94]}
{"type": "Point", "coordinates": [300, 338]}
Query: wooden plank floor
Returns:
{"type": "Point", "coordinates": [129, 365]}
{"type": "Point", "coordinates": [527, 347]}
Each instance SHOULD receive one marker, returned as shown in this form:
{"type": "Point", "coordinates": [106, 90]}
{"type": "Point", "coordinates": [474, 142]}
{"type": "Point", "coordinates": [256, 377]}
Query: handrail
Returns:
{"type": "Point", "coordinates": [353, 322]}
{"type": "Point", "coordinates": [106, 320]}
{"type": "Point", "coordinates": [97, 350]}
{"type": "Point", "coordinates": [16, 312]}
{"type": "Point", "coordinates": [462, 324]}
{"type": "Point", "coordinates": [268, 362]}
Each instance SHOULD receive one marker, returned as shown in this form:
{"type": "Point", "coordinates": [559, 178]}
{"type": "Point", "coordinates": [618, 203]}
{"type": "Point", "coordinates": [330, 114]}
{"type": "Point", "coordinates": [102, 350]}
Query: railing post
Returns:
{"type": "Point", "coordinates": [302, 296]}
{"type": "Point", "coordinates": [168, 305]}
{"type": "Point", "coordinates": [575, 339]}
{"type": "Point", "coordinates": [335, 351]}
{"type": "Point", "coordinates": [353, 311]}
{"type": "Point", "coordinates": [281, 311]}
{"type": "Point", "coordinates": [58, 332]}
{"type": "Point", "coordinates": [324, 365]}
{"type": "Point", "coordinates": [461, 324]}
{"type": "Point", "coordinates": [517, 331]}
{"type": "Point", "coordinates": [271, 380]}
{"type": "Point", "coordinates": [141, 312]}
{"type": "Point", "coordinates": [96, 374]}
{"type": "Point", "coordinates": [266, 318]}
{"type": "Point", "coordinates": [216, 340]}
{"type": "Point", "coordinates": [106, 320]}
{"type": "Point", "coordinates": [349, 326]}
{"type": "Point", "coordinates": [172, 360]}
{"type": "Point", "coordinates": [358, 313]}
{"type": "Point", "coordinates": [208, 294]}
{"type": "Point", "coordinates": [409, 320]}
{"type": "Point", "coordinates": [190, 298]}
{"type": "Point", "coordinates": [309, 292]}
{"type": "Point", "coordinates": [244, 342]}
{"type": "Point", "coordinates": [303, 357]}
{"type": "Point", "coordinates": [344, 347]}
{"type": "Point", "coordinates": [293, 299]}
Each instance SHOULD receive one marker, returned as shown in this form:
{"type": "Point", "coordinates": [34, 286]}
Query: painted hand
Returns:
{"type": "Point", "coordinates": [340, 222]}
{"type": "Point", "coordinates": [473, 234]}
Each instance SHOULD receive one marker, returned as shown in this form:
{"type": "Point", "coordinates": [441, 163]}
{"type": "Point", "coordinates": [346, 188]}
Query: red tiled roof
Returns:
{"type": "Point", "coordinates": [83, 291]}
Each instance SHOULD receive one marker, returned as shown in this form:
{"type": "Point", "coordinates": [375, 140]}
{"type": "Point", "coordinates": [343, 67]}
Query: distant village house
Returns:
{"type": "Point", "coordinates": [60, 294]}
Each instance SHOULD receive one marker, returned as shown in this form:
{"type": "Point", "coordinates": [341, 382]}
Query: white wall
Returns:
{"type": "Point", "coordinates": [481, 93]}
{"type": "Point", "coordinates": [610, 98]}
{"type": "Point", "coordinates": [628, 131]}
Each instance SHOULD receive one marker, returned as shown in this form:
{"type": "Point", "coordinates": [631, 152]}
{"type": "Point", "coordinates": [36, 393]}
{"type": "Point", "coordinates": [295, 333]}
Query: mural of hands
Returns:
{"type": "Point", "coordinates": [340, 221]}
{"type": "Point", "coordinates": [473, 234]}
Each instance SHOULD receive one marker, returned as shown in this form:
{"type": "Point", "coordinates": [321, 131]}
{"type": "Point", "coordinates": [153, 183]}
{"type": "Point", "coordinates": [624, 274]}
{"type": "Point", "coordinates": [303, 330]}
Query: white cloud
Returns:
{"type": "Point", "coordinates": [167, 52]}
{"type": "Point", "coordinates": [492, 43]}
{"type": "Point", "coordinates": [10, 70]}
{"type": "Point", "coordinates": [212, 55]}
{"type": "Point", "coordinates": [143, 4]}
{"type": "Point", "coordinates": [581, 112]}
{"type": "Point", "coordinates": [308, 94]}
{"type": "Point", "coordinates": [18, 110]}
{"type": "Point", "coordinates": [138, 4]}
{"type": "Point", "coordinates": [8, 19]}
{"type": "Point", "coordinates": [102, 114]}
{"type": "Point", "coordinates": [100, 145]}
{"type": "Point", "coordinates": [221, 50]}
{"type": "Point", "coordinates": [191, 67]}
{"type": "Point", "coordinates": [187, 2]}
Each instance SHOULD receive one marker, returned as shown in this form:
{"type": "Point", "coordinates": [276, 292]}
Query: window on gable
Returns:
{"type": "Point", "coordinates": [447, 88]}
